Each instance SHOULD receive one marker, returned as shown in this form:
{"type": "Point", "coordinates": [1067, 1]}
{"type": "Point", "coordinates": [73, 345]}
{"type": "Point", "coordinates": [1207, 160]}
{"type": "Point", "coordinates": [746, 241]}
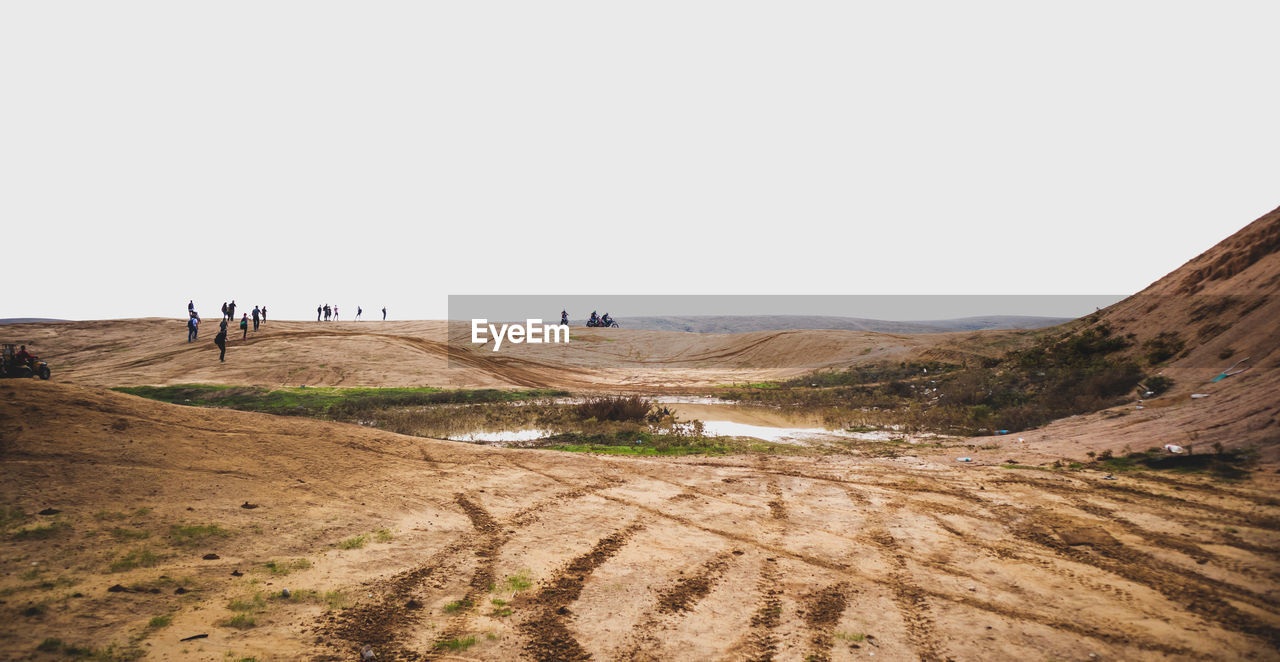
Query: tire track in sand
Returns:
{"type": "Point", "coordinates": [492, 538]}
{"type": "Point", "coordinates": [822, 611]}
{"type": "Point", "coordinates": [547, 630]}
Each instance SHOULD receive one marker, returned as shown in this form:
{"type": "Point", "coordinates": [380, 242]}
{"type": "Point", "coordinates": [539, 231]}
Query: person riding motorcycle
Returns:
{"type": "Point", "coordinates": [591, 321]}
{"type": "Point", "coordinates": [605, 320]}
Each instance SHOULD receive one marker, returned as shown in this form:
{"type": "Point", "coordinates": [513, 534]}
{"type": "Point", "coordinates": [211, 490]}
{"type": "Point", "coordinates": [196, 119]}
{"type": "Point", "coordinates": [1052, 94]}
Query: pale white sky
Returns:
{"type": "Point", "coordinates": [291, 153]}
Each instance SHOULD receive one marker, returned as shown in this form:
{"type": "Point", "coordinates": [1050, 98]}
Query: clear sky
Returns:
{"type": "Point", "coordinates": [394, 153]}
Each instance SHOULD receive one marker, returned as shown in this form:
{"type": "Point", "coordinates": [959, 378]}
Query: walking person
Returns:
{"type": "Point", "coordinates": [318, 313]}
{"type": "Point", "coordinates": [328, 312]}
{"type": "Point", "coordinates": [264, 314]}
{"type": "Point", "coordinates": [244, 326]}
{"type": "Point", "coordinates": [335, 313]}
{"type": "Point", "coordinates": [193, 328]}
{"type": "Point", "coordinates": [231, 310]}
{"type": "Point", "coordinates": [255, 318]}
{"type": "Point", "coordinates": [358, 311]}
{"type": "Point", "coordinates": [191, 307]}
{"type": "Point", "coordinates": [224, 310]}
{"type": "Point", "coordinates": [221, 341]}
{"type": "Point", "coordinates": [384, 313]}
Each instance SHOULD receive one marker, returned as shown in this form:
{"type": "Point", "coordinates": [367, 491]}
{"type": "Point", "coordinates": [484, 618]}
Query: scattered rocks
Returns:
{"type": "Point", "coordinates": [284, 593]}
{"type": "Point", "coordinates": [237, 573]}
{"type": "Point", "coordinates": [50, 511]}
{"type": "Point", "coordinates": [117, 588]}
{"type": "Point", "coordinates": [180, 591]}
{"type": "Point", "coordinates": [367, 653]}
{"type": "Point", "coordinates": [211, 557]}
{"type": "Point", "coordinates": [413, 603]}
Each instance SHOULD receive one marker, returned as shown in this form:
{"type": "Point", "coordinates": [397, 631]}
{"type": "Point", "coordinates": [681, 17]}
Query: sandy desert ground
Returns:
{"type": "Point", "coordinates": [134, 528]}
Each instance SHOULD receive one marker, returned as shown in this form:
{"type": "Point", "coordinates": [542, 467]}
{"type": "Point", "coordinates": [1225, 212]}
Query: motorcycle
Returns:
{"type": "Point", "coordinates": [602, 323]}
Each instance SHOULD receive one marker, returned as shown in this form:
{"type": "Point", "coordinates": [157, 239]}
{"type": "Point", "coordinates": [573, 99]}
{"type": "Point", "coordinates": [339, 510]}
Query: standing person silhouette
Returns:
{"type": "Point", "coordinates": [244, 326]}
{"type": "Point", "coordinates": [193, 327]}
{"type": "Point", "coordinates": [224, 310]}
{"type": "Point", "coordinates": [335, 313]}
{"type": "Point", "coordinates": [318, 310]}
{"type": "Point", "coordinates": [191, 307]}
{"type": "Point", "coordinates": [264, 314]}
{"type": "Point", "coordinates": [358, 311]}
{"type": "Point", "coordinates": [256, 314]}
{"type": "Point", "coordinates": [221, 341]}
{"type": "Point", "coordinates": [384, 313]}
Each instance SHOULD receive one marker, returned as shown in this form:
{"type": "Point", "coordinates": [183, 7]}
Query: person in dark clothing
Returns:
{"type": "Point", "coordinates": [255, 318]}
{"type": "Point", "coordinates": [264, 314]}
{"type": "Point", "coordinates": [358, 311]}
{"type": "Point", "coordinates": [221, 341]}
{"type": "Point", "coordinates": [224, 310]}
{"type": "Point", "coordinates": [191, 307]}
{"type": "Point", "coordinates": [244, 326]}
{"type": "Point", "coordinates": [318, 309]}
{"type": "Point", "coordinates": [384, 313]}
{"type": "Point", "coordinates": [193, 327]}
{"type": "Point", "coordinates": [231, 310]}
{"type": "Point", "coordinates": [222, 326]}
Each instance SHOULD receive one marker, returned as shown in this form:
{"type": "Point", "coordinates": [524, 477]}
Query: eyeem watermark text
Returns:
{"type": "Point", "coordinates": [533, 331]}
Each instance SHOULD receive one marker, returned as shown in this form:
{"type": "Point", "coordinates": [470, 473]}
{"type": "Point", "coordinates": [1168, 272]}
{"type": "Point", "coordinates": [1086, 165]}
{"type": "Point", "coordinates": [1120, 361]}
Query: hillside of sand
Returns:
{"type": "Point", "coordinates": [162, 523]}
{"type": "Point", "coordinates": [133, 528]}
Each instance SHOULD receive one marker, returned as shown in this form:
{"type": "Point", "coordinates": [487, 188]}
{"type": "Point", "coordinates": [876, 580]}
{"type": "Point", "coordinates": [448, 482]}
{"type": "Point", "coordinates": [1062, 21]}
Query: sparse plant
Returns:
{"type": "Point", "coordinates": [188, 535]}
{"type": "Point", "coordinates": [457, 606]}
{"type": "Point", "coordinates": [354, 542]}
{"type": "Point", "coordinates": [240, 622]}
{"type": "Point", "coordinates": [158, 622]}
{"type": "Point", "coordinates": [457, 644]}
{"type": "Point", "coordinates": [383, 535]}
{"type": "Point", "coordinates": [140, 557]}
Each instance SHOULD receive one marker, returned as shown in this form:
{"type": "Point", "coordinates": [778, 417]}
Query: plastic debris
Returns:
{"type": "Point", "coordinates": [1173, 448]}
{"type": "Point", "coordinates": [1002, 432]}
{"type": "Point", "coordinates": [1199, 395]}
{"type": "Point", "coordinates": [1108, 477]}
{"type": "Point", "coordinates": [964, 459]}
{"type": "Point", "coordinates": [1141, 407]}
{"type": "Point", "coordinates": [1231, 371]}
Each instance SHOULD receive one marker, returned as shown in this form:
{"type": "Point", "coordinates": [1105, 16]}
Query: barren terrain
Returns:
{"type": "Point", "coordinates": [133, 528]}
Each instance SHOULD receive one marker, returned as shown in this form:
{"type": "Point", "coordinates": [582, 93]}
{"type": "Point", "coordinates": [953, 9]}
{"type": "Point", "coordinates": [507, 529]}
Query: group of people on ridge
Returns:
{"type": "Point", "coordinates": [228, 314]}
{"type": "Point", "coordinates": [330, 313]}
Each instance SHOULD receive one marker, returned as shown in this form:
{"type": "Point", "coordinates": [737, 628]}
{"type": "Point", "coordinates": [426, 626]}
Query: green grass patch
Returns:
{"type": "Point", "coordinates": [158, 622]}
{"type": "Point", "coordinates": [124, 535]}
{"type": "Point", "coordinates": [520, 581]}
{"type": "Point", "coordinates": [140, 557]}
{"type": "Point", "coordinates": [11, 517]}
{"type": "Point", "coordinates": [286, 567]}
{"type": "Point", "coordinates": [41, 531]}
{"type": "Point", "coordinates": [240, 622]}
{"type": "Point", "coordinates": [456, 606]}
{"type": "Point", "coordinates": [383, 535]}
{"type": "Point", "coordinates": [327, 402]}
{"type": "Point", "coordinates": [457, 644]}
{"type": "Point", "coordinates": [72, 651]}
{"type": "Point", "coordinates": [354, 542]}
{"type": "Point", "coordinates": [194, 534]}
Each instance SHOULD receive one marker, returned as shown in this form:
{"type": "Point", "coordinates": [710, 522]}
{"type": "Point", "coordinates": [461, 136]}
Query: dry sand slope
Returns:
{"type": "Point", "coordinates": [696, 559]}
{"type": "Point", "coordinates": [155, 351]}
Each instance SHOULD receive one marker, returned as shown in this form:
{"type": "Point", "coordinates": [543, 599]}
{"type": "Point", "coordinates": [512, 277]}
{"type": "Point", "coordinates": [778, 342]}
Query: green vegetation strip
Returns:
{"type": "Point", "coordinates": [330, 402]}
